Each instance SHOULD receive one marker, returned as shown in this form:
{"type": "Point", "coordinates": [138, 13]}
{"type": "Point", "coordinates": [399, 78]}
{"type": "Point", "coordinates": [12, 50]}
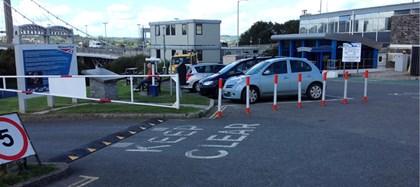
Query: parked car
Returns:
{"type": "Point", "coordinates": [262, 80]}
{"type": "Point", "coordinates": [199, 71]}
{"type": "Point", "coordinates": [209, 86]}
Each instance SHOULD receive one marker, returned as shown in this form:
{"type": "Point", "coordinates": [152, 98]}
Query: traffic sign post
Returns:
{"type": "Point", "coordinates": [14, 141]}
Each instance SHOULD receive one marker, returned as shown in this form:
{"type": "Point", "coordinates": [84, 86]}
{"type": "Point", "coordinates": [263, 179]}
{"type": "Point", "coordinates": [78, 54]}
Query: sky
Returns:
{"type": "Point", "coordinates": [124, 16]}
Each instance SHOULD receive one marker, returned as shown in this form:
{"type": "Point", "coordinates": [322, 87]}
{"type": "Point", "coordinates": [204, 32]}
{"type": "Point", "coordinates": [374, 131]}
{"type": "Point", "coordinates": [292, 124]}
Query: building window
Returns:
{"type": "Point", "coordinates": [199, 55]}
{"type": "Point", "coordinates": [157, 30]}
{"type": "Point", "coordinates": [184, 29]}
{"type": "Point", "coordinates": [168, 30]}
{"type": "Point", "coordinates": [173, 30]}
{"type": "Point", "coordinates": [199, 29]}
{"type": "Point", "coordinates": [173, 52]}
{"type": "Point", "coordinates": [158, 53]}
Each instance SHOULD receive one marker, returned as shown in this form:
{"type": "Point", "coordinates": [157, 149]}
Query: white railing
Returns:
{"type": "Point", "coordinates": [81, 88]}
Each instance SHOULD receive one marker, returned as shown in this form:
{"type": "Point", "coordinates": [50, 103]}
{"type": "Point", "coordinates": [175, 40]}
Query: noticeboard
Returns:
{"type": "Point", "coordinates": [44, 59]}
{"type": "Point", "coordinates": [352, 52]}
{"type": "Point", "coordinates": [14, 141]}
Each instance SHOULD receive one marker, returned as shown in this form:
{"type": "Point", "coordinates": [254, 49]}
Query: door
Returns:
{"type": "Point", "coordinates": [296, 67]}
{"type": "Point", "coordinates": [267, 78]}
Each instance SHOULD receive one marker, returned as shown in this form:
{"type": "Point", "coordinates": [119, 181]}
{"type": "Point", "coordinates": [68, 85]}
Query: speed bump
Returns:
{"type": "Point", "coordinates": [96, 145]}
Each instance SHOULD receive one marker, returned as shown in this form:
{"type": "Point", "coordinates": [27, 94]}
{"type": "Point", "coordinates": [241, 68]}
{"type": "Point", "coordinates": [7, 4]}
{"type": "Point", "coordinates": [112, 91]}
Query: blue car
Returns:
{"type": "Point", "coordinates": [209, 86]}
{"type": "Point", "coordinates": [262, 80]}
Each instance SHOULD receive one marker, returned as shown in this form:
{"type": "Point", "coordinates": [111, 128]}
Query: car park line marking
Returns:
{"type": "Point", "coordinates": [122, 145]}
{"type": "Point", "coordinates": [214, 115]}
{"type": "Point", "coordinates": [85, 180]}
{"type": "Point", "coordinates": [148, 149]}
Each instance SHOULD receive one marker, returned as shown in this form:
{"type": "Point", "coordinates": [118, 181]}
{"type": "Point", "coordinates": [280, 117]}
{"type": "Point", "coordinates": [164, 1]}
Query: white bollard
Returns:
{"type": "Point", "coordinates": [300, 90]}
{"type": "Point", "coordinates": [323, 89]}
{"type": "Point", "coordinates": [366, 82]}
{"type": "Point", "coordinates": [346, 77]}
{"type": "Point", "coordinates": [219, 99]}
{"type": "Point", "coordinates": [248, 110]}
{"type": "Point", "coordinates": [276, 80]}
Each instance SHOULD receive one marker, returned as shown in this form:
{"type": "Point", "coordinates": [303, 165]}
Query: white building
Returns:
{"type": "Point", "coordinates": [183, 36]}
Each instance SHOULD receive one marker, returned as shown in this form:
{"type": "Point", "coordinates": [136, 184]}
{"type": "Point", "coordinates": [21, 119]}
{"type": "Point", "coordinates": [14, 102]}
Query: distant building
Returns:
{"type": "Point", "coordinates": [183, 36]}
{"type": "Point", "coordinates": [379, 29]}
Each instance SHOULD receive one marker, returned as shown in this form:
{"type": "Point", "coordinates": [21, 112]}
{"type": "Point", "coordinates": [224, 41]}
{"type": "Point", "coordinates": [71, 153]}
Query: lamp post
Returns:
{"type": "Point", "coordinates": [237, 23]}
{"type": "Point", "coordinates": [86, 30]}
{"type": "Point", "coordinates": [106, 46]}
{"type": "Point", "coordinates": [138, 28]}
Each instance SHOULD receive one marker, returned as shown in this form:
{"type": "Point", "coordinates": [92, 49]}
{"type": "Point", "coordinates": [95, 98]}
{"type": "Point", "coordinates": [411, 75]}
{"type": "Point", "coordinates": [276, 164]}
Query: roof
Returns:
{"type": "Point", "coordinates": [329, 36]}
{"type": "Point", "coordinates": [186, 21]}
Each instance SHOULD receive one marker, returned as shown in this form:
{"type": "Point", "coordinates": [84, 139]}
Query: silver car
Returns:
{"type": "Point", "coordinates": [199, 71]}
{"type": "Point", "coordinates": [262, 80]}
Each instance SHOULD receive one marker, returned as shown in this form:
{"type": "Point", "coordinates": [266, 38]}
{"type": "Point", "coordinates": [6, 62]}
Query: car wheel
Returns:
{"type": "Point", "coordinates": [253, 95]}
{"type": "Point", "coordinates": [195, 87]}
{"type": "Point", "coordinates": [314, 91]}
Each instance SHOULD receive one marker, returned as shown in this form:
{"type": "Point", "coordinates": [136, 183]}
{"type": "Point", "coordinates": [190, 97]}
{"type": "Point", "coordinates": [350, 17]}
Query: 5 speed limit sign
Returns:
{"type": "Point", "coordinates": [14, 142]}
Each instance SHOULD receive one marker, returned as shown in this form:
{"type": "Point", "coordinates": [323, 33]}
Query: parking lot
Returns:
{"type": "Point", "coordinates": [357, 144]}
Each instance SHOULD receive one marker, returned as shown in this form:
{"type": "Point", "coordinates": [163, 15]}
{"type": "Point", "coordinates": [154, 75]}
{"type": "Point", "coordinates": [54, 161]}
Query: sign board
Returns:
{"type": "Point", "coordinates": [44, 59]}
{"type": "Point", "coordinates": [352, 52]}
{"type": "Point", "coordinates": [14, 141]}
{"type": "Point", "coordinates": [71, 87]}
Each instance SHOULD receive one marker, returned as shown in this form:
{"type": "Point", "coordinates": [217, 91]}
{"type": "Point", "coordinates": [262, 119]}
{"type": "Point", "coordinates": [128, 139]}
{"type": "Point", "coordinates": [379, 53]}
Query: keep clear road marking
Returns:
{"type": "Point", "coordinates": [85, 180]}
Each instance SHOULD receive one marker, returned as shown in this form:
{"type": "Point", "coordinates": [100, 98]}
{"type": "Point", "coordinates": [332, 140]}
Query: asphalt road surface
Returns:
{"type": "Point", "coordinates": [357, 144]}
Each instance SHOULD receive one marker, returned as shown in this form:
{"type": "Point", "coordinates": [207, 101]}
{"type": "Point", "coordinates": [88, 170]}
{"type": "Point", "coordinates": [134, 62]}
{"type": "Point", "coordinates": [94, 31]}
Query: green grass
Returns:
{"type": "Point", "coordinates": [32, 171]}
{"type": "Point", "coordinates": [9, 105]}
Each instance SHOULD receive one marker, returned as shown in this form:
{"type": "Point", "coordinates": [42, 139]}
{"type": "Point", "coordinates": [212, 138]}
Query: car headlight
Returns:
{"type": "Point", "coordinates": [208, 83]}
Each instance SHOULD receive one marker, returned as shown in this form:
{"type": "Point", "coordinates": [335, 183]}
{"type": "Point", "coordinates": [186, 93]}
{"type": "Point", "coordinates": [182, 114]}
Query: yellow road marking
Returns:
{"type": "Point", "coordinates": [152, 124]}
{"type": "Point", "coordinates": [132, 132]}
{"type": "Point", "coordinates": [106, 143]}
{"type": "Point", "coordinates": [73, 157]}
{"type": "Point", "coordinates": [120, 137]}
{"type": "Point", "coordinates": [142, 128]}
{"type": "Point", "coordinates": [91, 150]}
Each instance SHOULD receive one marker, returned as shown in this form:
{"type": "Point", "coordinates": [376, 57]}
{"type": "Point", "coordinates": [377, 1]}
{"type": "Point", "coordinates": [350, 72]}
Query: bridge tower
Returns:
{"type": "Point", "coordinates": [8, 21]}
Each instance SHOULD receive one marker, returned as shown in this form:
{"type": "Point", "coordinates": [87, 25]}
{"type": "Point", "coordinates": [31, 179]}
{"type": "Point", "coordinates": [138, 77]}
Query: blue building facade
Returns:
{"type": "Point", "coordinates": [321, 36]}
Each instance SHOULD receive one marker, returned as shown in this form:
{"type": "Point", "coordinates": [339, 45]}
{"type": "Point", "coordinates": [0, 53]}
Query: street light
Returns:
{"type": "Point", "coordinates": [138, 28]}
{"type": "Point", "coordinates": [86, 30]}
{"type": "Point", "coordinates": [106, 46]}
{"type": "Point", "coordinates": [237, 24]}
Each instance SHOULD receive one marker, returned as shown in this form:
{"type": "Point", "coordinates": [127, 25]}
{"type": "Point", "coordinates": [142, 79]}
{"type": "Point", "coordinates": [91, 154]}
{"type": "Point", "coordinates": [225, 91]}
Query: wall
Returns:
{"type": "Point", "coordinates": [405, 29]}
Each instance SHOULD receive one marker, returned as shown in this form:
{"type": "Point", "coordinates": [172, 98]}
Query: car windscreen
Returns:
{"type": "Point", "coordinates": [229, 67]}
{"type": "Point", "coordinates": [257, 68]}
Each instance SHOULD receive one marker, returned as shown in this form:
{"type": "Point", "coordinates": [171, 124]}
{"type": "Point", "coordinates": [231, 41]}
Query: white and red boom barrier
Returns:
{"type": "Point", "coordinates": [219, 99]}
{"type": "Point", "coordinates": [300, 90]}
{"type": "Point", "coordinates": [346, 78]}
{"type": "Point", "coordinates": [324, 86]}
{"type": "Point", "coordinates": [248, 110]}
{"type": "Point", "coordinates": [366, 82]}
{"type": "Point", "coordinates": [276, 81]}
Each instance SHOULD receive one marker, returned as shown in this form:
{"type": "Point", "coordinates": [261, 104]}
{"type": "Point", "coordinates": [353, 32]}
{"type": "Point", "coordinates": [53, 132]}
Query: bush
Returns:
{"type": "Point", "coordinates": [119, 65]}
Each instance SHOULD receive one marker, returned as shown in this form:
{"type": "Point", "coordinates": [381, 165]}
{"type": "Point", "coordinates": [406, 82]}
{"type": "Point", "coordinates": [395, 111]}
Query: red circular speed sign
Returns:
{"type": "Point", "coordinates": [25, 140]}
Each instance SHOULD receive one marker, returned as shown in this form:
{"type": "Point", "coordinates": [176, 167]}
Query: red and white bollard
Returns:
{"type": "Point", "coordinates": [219, 99]}
{"type": "Point", "coordinates": [366, 82]}
{"type": "Point", "coordinates": [323, 89]}
{"type": "Point", "coordinates": [300, 90]}
{"type": "Point", "coordinates": [346, 77]}
{"type": "Point", "coordinates": [276, 81]}
{"type": "Point", "coordinates": [248, 110]}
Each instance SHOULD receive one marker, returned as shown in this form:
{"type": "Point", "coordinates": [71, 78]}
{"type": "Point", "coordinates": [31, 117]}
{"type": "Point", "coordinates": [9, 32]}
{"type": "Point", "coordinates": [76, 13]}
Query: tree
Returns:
{"type": "Point", "coordinates": [261, 32]}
